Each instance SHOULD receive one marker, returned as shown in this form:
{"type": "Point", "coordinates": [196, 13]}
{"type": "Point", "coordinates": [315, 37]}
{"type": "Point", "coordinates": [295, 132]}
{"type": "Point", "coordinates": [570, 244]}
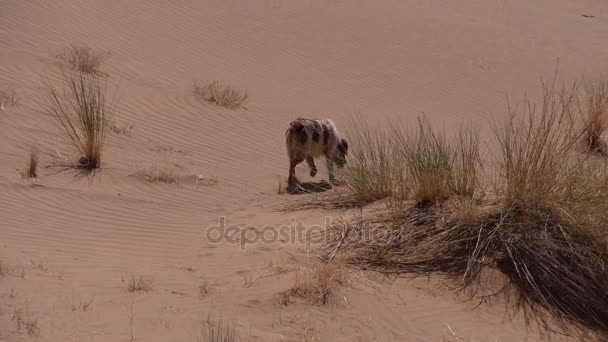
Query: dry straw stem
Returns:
{"type": "Point", "coordinates": [84, 59]}
{"type": "Point", "coordinates": [219, 330]}
{"type": "Point", "coordinates": [544, 230]}
{"type": "Point", "coordinates": [84, 115]}
{"type": "Point", "coordinates": [8, 98]}
{"type": "Point", "coordinates": [221, 95]}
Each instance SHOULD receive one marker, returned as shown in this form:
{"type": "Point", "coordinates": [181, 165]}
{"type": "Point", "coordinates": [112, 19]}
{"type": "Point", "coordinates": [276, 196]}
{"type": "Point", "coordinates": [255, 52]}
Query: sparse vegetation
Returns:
{"type": "Point", "coordinates": [221, 95]}
{"type": "Point", "coordinates": [26, 321]}
{"type": "Point", "coordinates": [83, 59]}
{"type": "Point", "coordinates": [219, 330]}
{"type": "Point", "coordinates": [8, 98]}
{"type": "Point", "coordinates": [84, 115]}
{"type": "Point", "coordinates": [139, 284]}
{"type": "Point", "coordinates": [316, 285]}
{"type": "Point", "coordinates": [543, 227]}
{"type": "Point", "coordinates": [158, 175]}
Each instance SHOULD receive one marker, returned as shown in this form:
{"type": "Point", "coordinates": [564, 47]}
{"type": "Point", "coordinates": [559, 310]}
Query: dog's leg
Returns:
{"type": "Point", "coordinates": [330, 169]}
{"type": "Point", "coordinates": [292, 180]}
{"type": "Point", "coordinates": [311, 163]}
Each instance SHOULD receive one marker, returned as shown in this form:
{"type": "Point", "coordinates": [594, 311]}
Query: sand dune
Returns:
{"type": "Point", "coordinates": [68, 240]}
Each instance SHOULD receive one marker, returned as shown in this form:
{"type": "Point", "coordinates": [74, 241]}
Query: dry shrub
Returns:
{"type": "Point", "coordinates": [139, 284]}
{"type": "Point", "coordinates": [83, 59]}
{"type": "Point", "coordinates": [221, 95]}
{"type": "Point", "coordinates": [158, 175]}
{"type": "Point", "coordinates": [8, 98]}
{"type": "Point", "coordinates": [317, 285]}
{"type": "Point", "coordinates": [543, 229]}
{"type": "Point", "coordinates": [219, 330]}
{"type": "Point", "coordinates": [83, 113]}
{"type": "Point", "coordinates": [595, 109]}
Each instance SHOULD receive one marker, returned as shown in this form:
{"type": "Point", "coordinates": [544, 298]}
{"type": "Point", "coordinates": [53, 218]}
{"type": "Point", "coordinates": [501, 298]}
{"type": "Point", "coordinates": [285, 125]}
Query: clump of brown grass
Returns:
{"type": "Point", "coordinates": [317, 285]}
{"type": "Point", "coordinates": [83, 59]}
{"type": "Point", "coordinates": [595, 108]}
{"type": "Point", "coordinates": [221, 95]}
{"type": "Point", "coordinates": [139, 284]}
{"type": "Point", "coordinates": [84, 115]}
{"type": "Point", "coordinates": [427, 157]}
{"type": "Point", "coordinates": [543, 229]}
{"type": "Point", "coordinates": [219, 330]}
{"type": "Point", "coordinates": [158, 175]}
{"type": "Point", "coordinates": [8, 98]}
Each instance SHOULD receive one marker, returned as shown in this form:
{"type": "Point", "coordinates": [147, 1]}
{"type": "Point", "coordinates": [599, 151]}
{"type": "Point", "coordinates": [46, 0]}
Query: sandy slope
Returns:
{"type": "Point", "coordinates": [76, 239]}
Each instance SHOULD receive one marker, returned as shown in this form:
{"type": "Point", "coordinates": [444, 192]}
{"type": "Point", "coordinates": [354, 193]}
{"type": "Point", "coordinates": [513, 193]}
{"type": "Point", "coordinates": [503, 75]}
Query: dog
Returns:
{"type": "Point", "coordinates": [306, 139]}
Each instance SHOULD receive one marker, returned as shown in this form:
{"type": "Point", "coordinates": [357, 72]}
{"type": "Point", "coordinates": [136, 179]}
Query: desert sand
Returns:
{"type": "Point", "coordinates": [71, 244]}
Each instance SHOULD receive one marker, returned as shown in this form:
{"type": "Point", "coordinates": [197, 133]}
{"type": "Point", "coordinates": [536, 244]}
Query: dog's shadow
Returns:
{"type": "Point", "coordinates": [308, 188]}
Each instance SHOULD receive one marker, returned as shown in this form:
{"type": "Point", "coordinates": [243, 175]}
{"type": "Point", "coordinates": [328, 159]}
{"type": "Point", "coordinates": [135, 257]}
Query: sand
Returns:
{"type": "Point", "coordinates": [67, 241]}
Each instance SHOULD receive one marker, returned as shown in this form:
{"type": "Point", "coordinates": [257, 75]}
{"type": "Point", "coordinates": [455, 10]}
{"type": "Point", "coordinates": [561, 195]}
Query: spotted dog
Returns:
{"type": "Point", "coordinates": [306, 139]}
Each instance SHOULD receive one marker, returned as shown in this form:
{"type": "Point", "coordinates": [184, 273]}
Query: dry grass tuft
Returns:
{"type": "Point", "coordinates": [83, 59]}
{"type": "Point", "coordinates": [375, 170]}
{"type": "Point", "coordinates": [139, 284]}
{"type": "Point", "coordinates": [595, 109]}
{"type": "Point", "coordinates": [8, 98]}
{"type": "Point", "coordinates": [83, 113]}
{"type": "Point", "coordinates": [317, 285]}
{"type": "Point", "coordinates": [158, 175]}
{"type": "Point", "coordinates": [221, 95]}
{"type": "Point", "coordinates": [543, 229]}
{"type": "Point", "coordinates": [218, 330]}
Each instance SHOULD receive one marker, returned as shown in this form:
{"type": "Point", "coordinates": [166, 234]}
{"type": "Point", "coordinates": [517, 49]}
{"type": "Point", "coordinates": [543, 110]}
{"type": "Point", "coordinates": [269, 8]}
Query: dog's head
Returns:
{"type": "Point", "coordinates": [342, 151]}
